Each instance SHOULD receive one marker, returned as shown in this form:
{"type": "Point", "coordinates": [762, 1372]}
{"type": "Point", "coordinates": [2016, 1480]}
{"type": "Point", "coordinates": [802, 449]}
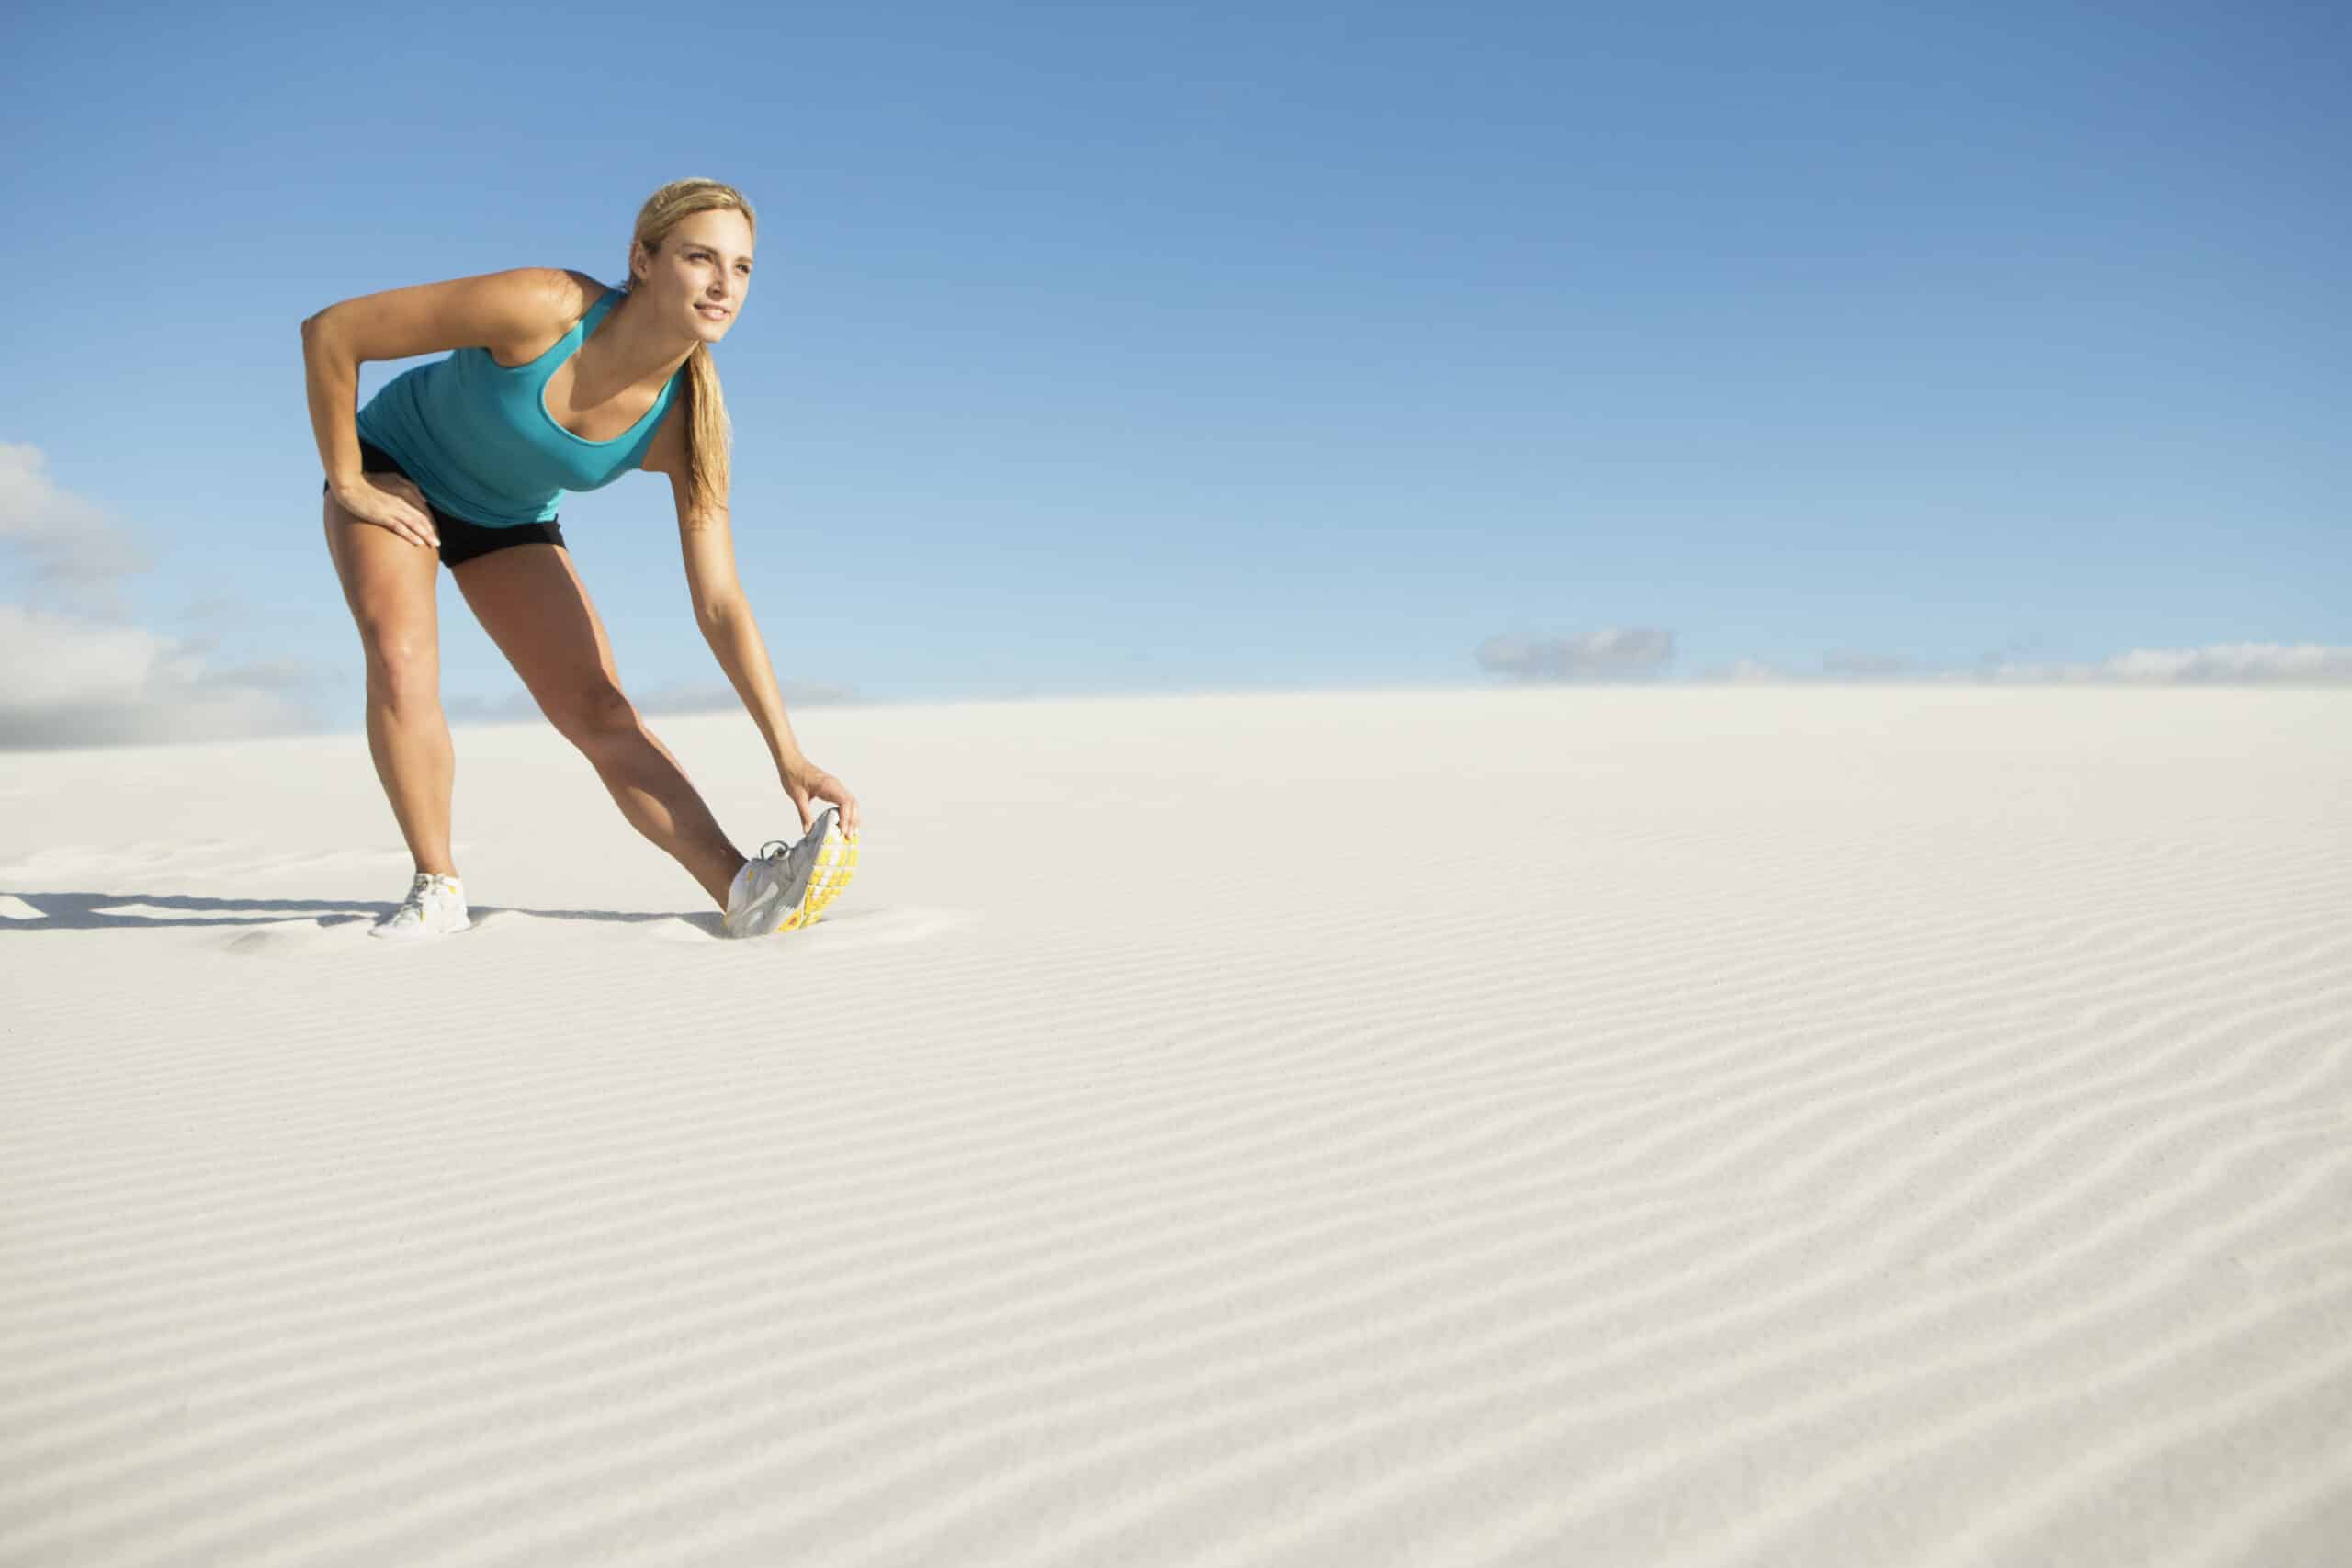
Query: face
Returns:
{"type": "Point", "coordinates": [700, 274]}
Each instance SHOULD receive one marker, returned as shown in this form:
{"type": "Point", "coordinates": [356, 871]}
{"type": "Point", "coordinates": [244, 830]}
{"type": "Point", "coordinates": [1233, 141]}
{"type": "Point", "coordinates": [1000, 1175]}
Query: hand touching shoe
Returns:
{"type": "Point", "coordinates": [804, 781]}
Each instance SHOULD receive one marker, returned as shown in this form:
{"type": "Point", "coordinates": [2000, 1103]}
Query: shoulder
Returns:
{"type": "Point", "coordinates": [571, 293]}
{"type": "Point", "coordinates": [550, 299]}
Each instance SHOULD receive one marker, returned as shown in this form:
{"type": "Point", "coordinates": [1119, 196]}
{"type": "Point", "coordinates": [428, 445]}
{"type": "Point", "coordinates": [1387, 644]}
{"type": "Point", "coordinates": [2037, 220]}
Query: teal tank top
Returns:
{"type": "Point", "coordinates": [477, 437]}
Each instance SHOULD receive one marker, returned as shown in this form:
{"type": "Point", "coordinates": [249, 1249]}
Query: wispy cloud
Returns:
{"type": "Point", "coordinates": [2225, 663]}
{"type": "Point", "coordinates": [1614, 654]}
{"type": "Point", "coordinates": [1845, 662]}
{"type": "Point", "coordinates": [721, 697]}
{"type": "Point", "coordinates": [76, 681]}
{"type": "Point", "coordinates": [77, 551]}
{"type": "Point", "coordinates": [79, 672]}
{"type": "Point", "coordinates": [716, 697]}
{"type": "Point", "coordinates": [1639, 653]}
{"type": "Point", "coordinates": [2216, 664]}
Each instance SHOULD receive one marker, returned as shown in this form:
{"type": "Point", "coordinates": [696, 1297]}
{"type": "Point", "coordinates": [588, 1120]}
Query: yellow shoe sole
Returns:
{"type": "Point", "coordinates": [836, 863]}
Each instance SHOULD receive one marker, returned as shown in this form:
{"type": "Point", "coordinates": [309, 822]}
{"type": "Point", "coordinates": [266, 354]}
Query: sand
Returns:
{"type": "Point", "coordinates": [1702, 1125]}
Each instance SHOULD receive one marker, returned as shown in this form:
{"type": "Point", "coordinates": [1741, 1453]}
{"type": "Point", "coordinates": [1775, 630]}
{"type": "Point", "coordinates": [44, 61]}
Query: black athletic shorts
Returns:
{"type": "Point", "coordinates": [460, 540]}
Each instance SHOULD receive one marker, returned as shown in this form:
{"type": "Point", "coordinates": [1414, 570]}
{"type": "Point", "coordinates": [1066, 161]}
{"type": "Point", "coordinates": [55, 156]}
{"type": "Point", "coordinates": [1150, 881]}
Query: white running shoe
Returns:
{"type": "Point", "coordinates": [436, 906]}
{"type": "Point", "coordinates": [789, 886]}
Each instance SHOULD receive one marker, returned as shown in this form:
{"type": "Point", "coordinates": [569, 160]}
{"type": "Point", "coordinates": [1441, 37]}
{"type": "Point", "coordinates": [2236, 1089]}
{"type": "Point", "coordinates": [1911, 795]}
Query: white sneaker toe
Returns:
{"type": "Point", "coordinates": [436, 906]}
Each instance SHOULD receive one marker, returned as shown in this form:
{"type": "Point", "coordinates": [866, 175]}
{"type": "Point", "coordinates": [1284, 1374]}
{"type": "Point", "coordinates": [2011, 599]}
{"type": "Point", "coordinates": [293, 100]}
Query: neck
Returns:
{"type": "Point", "coordinates": [631, 350]}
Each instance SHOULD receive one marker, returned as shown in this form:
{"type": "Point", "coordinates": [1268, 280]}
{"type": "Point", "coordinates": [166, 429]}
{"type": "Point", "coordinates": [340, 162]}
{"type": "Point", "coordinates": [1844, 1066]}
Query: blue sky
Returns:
{"type": "Point", "coordinates": [1116, 348]}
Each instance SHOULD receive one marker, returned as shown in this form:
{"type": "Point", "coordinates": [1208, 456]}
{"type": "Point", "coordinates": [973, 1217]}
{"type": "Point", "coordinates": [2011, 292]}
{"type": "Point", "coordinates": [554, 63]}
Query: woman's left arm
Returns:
{"type": "Point", "coordinates": [724, 614]}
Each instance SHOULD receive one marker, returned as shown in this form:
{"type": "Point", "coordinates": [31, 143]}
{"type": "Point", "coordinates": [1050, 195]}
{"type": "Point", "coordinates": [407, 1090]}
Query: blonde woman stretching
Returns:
{"type": "Point", "coordinates": [556, 383]}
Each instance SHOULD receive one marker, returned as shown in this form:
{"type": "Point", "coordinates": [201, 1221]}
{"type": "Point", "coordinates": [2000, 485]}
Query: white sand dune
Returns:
{"type": "Point", "coordinates": [1675, 1126]}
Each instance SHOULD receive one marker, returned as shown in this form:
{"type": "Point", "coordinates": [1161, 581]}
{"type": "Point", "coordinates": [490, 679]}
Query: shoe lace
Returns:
{"type": "Point", "coordinates": [776, 849]}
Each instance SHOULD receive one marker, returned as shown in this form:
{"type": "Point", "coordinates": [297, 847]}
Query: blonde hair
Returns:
{"type": "Point", "coordinates": [707, 429]}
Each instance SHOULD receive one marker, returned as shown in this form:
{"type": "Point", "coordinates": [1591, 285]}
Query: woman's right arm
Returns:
{"type": "Point", "coordinates": [494, 310]}
{"type": "Point", "coordinates": [333, 372]}
{"type": "Point", "coordinates": [389, 500]}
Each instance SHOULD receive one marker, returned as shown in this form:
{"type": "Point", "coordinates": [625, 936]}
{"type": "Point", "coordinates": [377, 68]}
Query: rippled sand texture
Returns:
{"type": "Point", "coordinates": [1875, 1127]}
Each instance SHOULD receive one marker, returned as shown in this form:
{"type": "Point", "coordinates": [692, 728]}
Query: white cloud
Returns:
{"type": "Point", "coordinates": [715, 697]}
{"type": "Point", "coordinates": [76, 549]}
{"type": "Point", "coordinates": [1846, 662]}
{"type": "Point", "coordinates": [516, 704]}
{"type": "Point", "coordinates": [1748, 673]}
{"type": "Point", "coordinates": [2220, 663]}
{"type": "Point", "coordinates": [719, 697]}
{"type": "Point", "coordinates": [78, 674]}
{"type": "Point", "coordinates": [1613, 653]}
{"type": "Point", "coordinates": [73, 682]}
{"type": "Point", "coordinates": [1604, 654]}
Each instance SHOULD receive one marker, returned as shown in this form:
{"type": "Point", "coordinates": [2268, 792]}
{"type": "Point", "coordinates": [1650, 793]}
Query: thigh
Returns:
{"type": "Point", "coordinates": [533, 604]}
{"type": "Point", "coordinates": [389, 585]}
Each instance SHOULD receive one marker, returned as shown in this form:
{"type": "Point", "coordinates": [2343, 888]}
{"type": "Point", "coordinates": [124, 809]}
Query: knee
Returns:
{"type": "Point", "coordinates": [593, 717]}
{"type": "Point", "coordinates": [403, 669]}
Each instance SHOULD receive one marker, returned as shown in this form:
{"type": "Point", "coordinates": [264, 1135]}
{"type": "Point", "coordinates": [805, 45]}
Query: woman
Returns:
{"type": "Point", "coordinates": [556, 383]}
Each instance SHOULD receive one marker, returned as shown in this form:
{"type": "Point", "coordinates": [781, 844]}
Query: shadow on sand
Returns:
{"type": "Point", "coordinates": [145, 911]}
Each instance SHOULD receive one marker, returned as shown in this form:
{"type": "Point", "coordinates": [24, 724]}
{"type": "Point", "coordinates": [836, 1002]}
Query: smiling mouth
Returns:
{"type": "Point", "coordinates": [716, 312]}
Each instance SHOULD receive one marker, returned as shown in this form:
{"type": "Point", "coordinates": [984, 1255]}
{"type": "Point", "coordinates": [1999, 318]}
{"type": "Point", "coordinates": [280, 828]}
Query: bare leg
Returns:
{"type": "Point", "coordinates": [530, 600]}
{"type": "Point", "coordinates": [655, 794]}
{"type": "Point", "coordinates": [409, 738]}
{"type": "Point", "coordinates": [388, 585]}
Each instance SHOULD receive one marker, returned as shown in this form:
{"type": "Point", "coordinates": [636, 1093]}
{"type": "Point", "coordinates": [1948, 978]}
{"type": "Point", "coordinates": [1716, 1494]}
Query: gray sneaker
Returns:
{"type": "Point", "coordinates": [789, 886]}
